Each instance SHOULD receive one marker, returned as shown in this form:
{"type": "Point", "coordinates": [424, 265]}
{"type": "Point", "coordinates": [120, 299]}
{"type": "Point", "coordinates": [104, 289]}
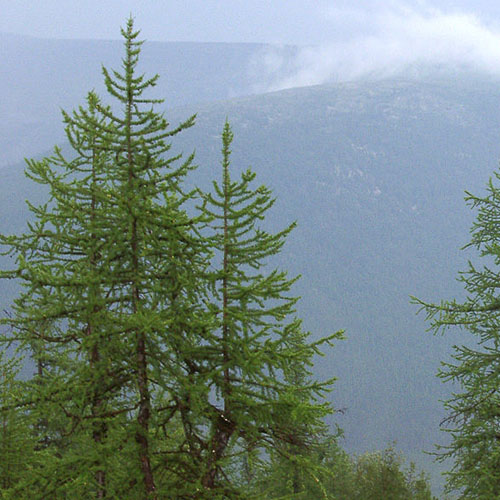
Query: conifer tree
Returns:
{"type": "Point", "coordinates": [473, 421]}
{"type": "Point", "coordinates": [58, 306]}
{"type": "Point", "coordinates": [255, 343]}
{"type": "Point", "coordinates": [112, 263]}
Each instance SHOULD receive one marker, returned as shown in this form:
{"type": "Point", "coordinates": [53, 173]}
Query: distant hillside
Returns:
{"type": "Point", "coordinates": [375, 174]}
{"type": "Point", "coordinates": [40, 76]}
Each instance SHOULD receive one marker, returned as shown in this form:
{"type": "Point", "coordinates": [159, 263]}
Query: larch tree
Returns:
{"type": "Point", "coordinates": [112, 264]}
{"type": "Point", "coordinates": [473, 420]}
{"type": "Point", "coordinates": [60, 304]}
{"type": "Point", "coordinates": [255, 344]}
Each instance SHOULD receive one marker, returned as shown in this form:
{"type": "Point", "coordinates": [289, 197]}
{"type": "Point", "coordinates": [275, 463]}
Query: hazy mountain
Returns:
{"type": "Point", "coordinates": [38, 77]}
{"type": "Point", "coordinates": [374, 173]}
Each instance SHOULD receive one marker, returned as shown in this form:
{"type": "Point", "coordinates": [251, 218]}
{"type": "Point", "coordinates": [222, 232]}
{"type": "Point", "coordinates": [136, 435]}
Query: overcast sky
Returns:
{"type": "Point", "coordinates": [351, 38]}
{"type": "Point", "coordinates": [281, 21]}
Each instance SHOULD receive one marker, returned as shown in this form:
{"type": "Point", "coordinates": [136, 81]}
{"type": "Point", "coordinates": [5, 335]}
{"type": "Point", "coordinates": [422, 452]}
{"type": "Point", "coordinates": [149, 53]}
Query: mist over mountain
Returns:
{"type": "Point", "coordinates": [374, 172]}
{"type": "Point", "coordinates": [38, 77]}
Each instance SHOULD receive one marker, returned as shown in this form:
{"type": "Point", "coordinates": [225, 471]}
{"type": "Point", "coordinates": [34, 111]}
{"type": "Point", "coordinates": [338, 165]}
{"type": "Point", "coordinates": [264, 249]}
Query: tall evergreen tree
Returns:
{"type": "Point", "coordinates": [111, 261]}
{"type": "Point", "coordinates": [255, 343]}
{"type": "Point", "coordinates": [59, 305]}
{"type": "Point", "coordinates": [473, 420]}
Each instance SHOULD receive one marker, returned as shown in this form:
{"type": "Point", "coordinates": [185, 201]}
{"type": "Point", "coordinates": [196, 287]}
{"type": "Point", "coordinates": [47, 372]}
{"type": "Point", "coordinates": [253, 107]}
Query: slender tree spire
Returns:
{"type": "Point", "coordinates": [257, 330]}
{"type": "Point", "coordinates": [111, 262]}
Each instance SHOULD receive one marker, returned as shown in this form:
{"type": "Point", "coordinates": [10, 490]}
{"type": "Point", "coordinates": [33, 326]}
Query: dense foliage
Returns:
{"type": "Point", "coordinates": [338, 476]}
{"type": "Point", "coordinates": [160, 339]}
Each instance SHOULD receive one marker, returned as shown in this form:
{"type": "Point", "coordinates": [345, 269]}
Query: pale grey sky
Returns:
{"type": "Point", "coordinates": [277, 21]}
{"type": "Point", "coordinates": [340, 39]}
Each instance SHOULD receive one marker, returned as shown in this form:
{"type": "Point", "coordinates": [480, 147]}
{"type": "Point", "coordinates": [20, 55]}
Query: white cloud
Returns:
{"type": "Point", "coordinates": [380, 43]}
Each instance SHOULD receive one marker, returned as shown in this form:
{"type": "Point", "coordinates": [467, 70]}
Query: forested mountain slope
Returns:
{"type": "Point", "coordinates": [375, 175]}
